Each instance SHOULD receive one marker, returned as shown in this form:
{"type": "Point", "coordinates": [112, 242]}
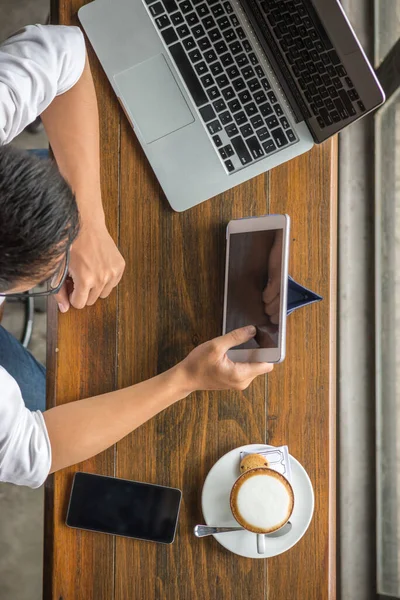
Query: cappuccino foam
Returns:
{"type": "Point", "coordinates": [263, 502]}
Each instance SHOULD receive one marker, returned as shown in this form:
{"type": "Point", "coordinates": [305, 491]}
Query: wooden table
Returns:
{"type": "Point", "coordinates": [169, 300]}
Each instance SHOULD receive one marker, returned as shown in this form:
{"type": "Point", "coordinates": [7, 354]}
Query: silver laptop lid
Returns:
{"type": "Point", "coordinates": [319, 61]}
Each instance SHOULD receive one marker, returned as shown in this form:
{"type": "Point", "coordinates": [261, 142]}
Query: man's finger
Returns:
{"type": "Point", "coordinates": [273, 307]}
{"type": "Point", "coordinates": [111, 285]}
{"type": "Point", "coordinates": [274, 318]}
{"type": "Point", "coordinates": [272, 289]}
{"type": "Point", "coordinates": [93, 296]}
{"type": "Point", "coordinates": [236, 337]}
{"type": "Point", "coordinates": [80, 295]}
{"type": "Point", "coordinates": [62, 299]}
{"type": "Point", "coordinates": [106, 291]}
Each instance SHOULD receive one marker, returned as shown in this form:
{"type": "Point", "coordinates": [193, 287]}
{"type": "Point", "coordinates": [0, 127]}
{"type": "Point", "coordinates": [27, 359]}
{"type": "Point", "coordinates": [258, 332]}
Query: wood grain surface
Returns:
{"type": "Point", "coordinates": [169, 300]}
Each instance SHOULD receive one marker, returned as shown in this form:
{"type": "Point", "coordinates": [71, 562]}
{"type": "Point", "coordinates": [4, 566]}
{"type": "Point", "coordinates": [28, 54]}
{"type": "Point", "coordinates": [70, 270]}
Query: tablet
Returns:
{"type": "Point", "coordinates": [256, 283]}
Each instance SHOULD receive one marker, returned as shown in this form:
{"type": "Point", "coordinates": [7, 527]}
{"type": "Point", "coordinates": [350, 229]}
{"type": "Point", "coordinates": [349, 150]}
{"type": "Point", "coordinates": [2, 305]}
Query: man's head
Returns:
{"type": "Point", "coordinates": [38, 219]}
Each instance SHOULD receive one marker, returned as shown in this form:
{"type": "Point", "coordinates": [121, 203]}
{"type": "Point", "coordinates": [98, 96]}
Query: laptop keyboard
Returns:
{"type": "Point", "coordinates": [328, 90]}
{"type": "Point", "coordinates": [229, 86]}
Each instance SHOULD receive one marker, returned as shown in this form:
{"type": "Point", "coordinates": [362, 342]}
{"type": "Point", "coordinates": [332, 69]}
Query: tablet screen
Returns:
{"type": "Point", "coordinates": [254, 285]}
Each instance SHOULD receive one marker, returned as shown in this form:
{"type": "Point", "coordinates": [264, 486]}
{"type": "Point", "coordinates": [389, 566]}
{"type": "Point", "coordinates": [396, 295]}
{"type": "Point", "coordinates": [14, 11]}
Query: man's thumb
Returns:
{"type": "Point", "coordinates": [237, 337]}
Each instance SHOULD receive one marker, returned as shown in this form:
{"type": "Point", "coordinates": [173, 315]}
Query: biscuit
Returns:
{"type": "Point", "coordinates": [252, 461]}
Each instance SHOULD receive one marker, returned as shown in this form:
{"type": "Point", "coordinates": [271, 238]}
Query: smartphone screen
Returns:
{"type": "Point", "coordinates": [123, 507]}
{"type": "Point", "coordinates": [254, 285]}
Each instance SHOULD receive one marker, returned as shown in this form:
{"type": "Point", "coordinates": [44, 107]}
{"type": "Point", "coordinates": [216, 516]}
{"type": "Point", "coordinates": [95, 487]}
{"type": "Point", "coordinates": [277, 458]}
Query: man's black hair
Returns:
{"type": "Point", "coordinates": [38, 217]}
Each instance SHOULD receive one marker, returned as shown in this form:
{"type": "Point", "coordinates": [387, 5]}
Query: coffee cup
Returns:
{"type": "Point", "coordinates": [262, 501]}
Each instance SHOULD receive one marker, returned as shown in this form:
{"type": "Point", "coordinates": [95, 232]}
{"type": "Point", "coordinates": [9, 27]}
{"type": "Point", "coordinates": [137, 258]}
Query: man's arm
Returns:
{"type": "Point", "coordinates": [81, 429]}
{"type": "Point", "coordinates": [72, 125]}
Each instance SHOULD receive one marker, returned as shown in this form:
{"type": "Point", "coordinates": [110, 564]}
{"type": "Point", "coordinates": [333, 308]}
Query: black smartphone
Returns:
{"type": "Point", "coordinates": [123, 507]}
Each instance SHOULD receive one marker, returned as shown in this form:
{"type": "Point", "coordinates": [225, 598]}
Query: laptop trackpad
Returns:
{"type": "Point", "coordinates": [153, 99]}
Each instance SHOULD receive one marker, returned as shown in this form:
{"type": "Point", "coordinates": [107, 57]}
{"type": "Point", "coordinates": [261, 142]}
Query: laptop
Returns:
{"type": "Point", "coordinates": [219, 91]}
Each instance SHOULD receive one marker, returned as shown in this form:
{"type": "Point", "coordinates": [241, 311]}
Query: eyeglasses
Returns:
{"type": "Point", "coordinates": [55, 284]}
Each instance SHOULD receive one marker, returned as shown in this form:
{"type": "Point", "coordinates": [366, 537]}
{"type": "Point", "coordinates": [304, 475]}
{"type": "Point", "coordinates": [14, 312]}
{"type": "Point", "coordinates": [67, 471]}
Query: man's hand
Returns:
{"type": "Point", "coordinates": [96, 267]}
{"type": "Point", "coordinates": [208, 367]}
{"type": "Point", "coordinates": [72, 125]}
{"type": "Point", "coordinates": [78, 430]}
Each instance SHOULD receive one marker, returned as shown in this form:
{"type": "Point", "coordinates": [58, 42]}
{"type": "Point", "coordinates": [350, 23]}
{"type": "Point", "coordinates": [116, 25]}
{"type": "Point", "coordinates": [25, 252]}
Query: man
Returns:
{"type": "Point", "coordinates": [51, 229]}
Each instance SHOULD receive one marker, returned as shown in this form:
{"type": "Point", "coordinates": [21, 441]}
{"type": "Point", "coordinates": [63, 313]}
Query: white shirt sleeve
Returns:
{"type": "Point", "coordinates": [25, 451]}
{"type": "Point", "coordinates": [36, 64]}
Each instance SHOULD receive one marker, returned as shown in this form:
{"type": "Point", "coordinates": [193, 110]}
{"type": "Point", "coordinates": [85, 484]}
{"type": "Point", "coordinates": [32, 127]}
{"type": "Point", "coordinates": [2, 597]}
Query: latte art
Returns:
{"type": "Point", "coordinates": [262, 500]}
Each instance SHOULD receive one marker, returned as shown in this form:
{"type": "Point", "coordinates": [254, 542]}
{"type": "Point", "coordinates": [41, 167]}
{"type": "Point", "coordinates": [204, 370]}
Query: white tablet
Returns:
{"type": "Point", "coordinates": [256, 283]}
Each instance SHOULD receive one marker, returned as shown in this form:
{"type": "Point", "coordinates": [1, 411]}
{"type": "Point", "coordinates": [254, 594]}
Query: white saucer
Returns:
{"type": "Point", "coordinates": [216, 509]}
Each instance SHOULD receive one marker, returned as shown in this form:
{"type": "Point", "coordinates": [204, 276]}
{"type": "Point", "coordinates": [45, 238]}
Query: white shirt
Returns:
{"type": "Point", "coordinates": [36, 64]}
